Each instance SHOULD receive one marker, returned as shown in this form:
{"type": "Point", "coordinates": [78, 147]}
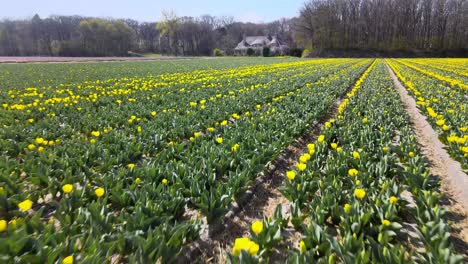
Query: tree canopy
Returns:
{"type": "Point", "coordinates": [82, 36]}
{"type": "Point", "coordinates": [345, 25]}
{"type": "Point", "coordinates": [385, 25]}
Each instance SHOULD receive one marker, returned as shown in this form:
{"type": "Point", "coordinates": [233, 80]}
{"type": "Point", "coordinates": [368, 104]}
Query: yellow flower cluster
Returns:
{"type": "Point", "coordinates": [356, 87]}
{"type": "Point", "coordinates": [245, 244]}
{"type": "Point", "coordinates": [303, 159]}
{"type": "Point", "coordinates": [41, 143]}
{"type": "Point", "coordinates": [92, 91]}
{"type": "Point", "coordinates": [440, 119]}
{"type": "Point", "coordinates": [446, 79]}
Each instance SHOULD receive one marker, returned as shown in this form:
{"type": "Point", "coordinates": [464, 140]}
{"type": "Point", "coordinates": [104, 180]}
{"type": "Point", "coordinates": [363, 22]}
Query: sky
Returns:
{"type": "Point", "coordinates": [150, 10]}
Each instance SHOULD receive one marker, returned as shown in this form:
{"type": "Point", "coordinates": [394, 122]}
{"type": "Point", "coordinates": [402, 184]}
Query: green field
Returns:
{"type": "Point", "coordinates": [133, 161]}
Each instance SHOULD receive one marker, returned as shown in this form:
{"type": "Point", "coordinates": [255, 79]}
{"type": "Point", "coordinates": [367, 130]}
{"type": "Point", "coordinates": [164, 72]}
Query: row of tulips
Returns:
{"type": "Point", "coordinates": [350, 191]}
{"type": "Point", "coordinates": [444, 104]}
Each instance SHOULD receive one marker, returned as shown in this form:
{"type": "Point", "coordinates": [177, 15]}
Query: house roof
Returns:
{"type": "Point", "coordinates": [260, 40]}
{"type": "Point", "coordinates": [242, 45]}
{"type": "Point", "coordinates": [274, 41]}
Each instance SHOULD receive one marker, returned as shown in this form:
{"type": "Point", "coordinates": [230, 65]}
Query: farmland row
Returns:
{"type": "Point", "coordinates": [455, 83]}
{"type": "Point", "coordinates": [452, 67]}
{"type": "Point", "coordinates": [178, 101]}
{"type": "Point", "coordinates": [139, 210]}
{"type": "Point", "coordinates": [349, 192]}
{"type": "Point", "coordinates": [150, 137]}
{"type": "Point", "coordinates": [66, 123]}
{"type": "Point", "coordinates": [52, 74]}
{"type": "Point", "coordinates": [99, 93]}
{"type": "Point", "coordinates": [444, 103]}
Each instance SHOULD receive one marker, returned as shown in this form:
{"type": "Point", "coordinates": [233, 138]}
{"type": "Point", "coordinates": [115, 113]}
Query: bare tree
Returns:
{"type": "Point", "coordinates": [383, 24]}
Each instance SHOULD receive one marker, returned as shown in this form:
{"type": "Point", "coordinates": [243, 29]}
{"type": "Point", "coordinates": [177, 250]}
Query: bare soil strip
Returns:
{"type": "Point", "coordinates": [87, 59]}
{"type": "Point", "coordinates": [260, 200]}
{"type": "Point", "coordinates": [454, 182]}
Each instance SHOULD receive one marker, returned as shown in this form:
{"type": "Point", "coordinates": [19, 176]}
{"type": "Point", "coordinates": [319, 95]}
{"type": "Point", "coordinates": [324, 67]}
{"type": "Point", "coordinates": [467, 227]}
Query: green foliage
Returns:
{"type": "Point", "coordinates": [169, 147]}
{"type": "Point", "coordinates": [296, 52]}
{"type": "Point", "coordinates": [149, 148]}
{"type": "Point", "coordinates": [218, 53]}
{"type": "Point", "coordinates": [250, 52]}
{"type": "Point", "coordinates": [427, 81]}
{"type": "Point", "coordinates": [99, 37]}
{"type": "Point", "coordinates": [305, 53]}
{"type": "Point", "coordinates": [374, 125]}
{"type": "Point", "coordinates": [134, 54]}
{"type": "Point", "coordinates": [266, 52]}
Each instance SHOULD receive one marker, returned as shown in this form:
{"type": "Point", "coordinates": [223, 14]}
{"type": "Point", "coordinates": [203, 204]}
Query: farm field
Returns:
{"type": "Point", "coordinates": [158, 161]}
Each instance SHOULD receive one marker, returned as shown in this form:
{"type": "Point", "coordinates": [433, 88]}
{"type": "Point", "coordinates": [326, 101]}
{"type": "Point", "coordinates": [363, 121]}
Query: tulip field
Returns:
{"type": "Point", "coordinates": [447, 109]}
{"type": "Point", "coordinates": [132, 162]}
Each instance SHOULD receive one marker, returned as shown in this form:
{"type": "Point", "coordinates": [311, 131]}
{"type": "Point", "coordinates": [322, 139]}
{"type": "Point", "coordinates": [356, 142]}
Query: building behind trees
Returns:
{"type": "Point", "coordinates": [323, 27]}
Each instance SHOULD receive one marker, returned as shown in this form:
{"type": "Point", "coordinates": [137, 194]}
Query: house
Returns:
{"type": "Point", "coordinates": [257, 43]}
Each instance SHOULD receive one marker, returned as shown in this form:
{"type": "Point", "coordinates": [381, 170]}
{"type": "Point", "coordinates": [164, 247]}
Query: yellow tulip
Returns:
{"type": "Point", "coordinates": [347, 208]}
{"type": "Point", "coordinates": [3, 226]}
{"type": "Point", "coordinates": [67, 188]}
{"type": "Point", "coordinates": [360, 193]}
{"type": "Point", "coordinates": [99, 192]}
{"type": "Point", "coordinates": [257, 227]}
{"type": "Point", "coordinates": [25, 205]}
{"type": "Point", "coordinates": [68, 260]}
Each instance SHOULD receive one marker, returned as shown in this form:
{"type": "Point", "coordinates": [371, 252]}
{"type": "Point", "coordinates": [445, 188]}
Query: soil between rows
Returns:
{"type": "Point", "coordinates": [38, 59]}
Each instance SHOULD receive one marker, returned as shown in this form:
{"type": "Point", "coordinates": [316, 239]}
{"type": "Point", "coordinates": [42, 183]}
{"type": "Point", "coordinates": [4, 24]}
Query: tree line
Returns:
{"type": "Point", "coordinates": [384, 25]}
{"type": "Point", "coordinates": [174, 35]}
{"type": "Point", "coordinates": [322, 25]}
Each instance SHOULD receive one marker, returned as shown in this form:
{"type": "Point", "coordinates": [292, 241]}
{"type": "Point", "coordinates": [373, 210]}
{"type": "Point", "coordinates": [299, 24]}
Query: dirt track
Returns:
{"type": "Point", "coordinates": [87, 59]}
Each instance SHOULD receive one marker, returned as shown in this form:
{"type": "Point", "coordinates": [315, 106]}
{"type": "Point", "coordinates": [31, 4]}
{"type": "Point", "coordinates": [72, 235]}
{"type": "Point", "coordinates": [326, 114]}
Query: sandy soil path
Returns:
{"type": "Point", "coordinates": [454, 182]}
{"type": "Point", "coordinates": [87, 59]}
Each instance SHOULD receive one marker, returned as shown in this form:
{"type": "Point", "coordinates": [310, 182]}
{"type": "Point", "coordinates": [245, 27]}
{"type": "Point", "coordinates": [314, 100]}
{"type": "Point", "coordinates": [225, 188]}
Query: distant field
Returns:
{"type": "Point", "coordinates": [12, 59]}
{"type": "Point", "coordinates": [40, 74]}
{"type": "Point", "coordinates": [230, 159]}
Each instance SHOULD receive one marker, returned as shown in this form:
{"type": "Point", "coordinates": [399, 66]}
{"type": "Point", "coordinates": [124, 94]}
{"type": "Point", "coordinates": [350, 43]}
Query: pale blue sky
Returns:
{"type": "Point", "coordinates": [150, 10]}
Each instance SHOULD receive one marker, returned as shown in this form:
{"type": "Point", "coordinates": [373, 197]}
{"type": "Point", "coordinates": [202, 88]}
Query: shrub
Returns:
{"type": "Point", "coordinates": [296, 52]}
{"type": "Point", "coordinates": [218, 53]}
{"type": "Point", "coordinates": [266, 52]}
{"type": "Point", "coordinates": [250, 52]}
{"type": "Point", "coordinates": [134, 54]}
